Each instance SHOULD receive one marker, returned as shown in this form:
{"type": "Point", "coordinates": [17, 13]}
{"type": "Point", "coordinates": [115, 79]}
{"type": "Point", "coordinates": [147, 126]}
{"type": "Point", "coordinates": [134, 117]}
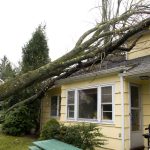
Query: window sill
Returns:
{"type": "Point", "coordinates": [92, 121]}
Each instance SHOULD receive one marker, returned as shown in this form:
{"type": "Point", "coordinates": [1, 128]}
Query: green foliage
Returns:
{"type": "Point", "coordinates": [35, 52]}
{"type": "Point", "coordinates": [84, 136]}
{"type": "Point", "coordinates": [50, 130]}
{"type": "Point", "coordinates": [6, 70]}
{"type": "Point", "coordinates": [17, 122]}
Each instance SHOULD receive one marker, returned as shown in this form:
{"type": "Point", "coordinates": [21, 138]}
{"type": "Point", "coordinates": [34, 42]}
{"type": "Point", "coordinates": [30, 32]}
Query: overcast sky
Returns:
{"type": "Point", "coordinates": [66, 20]}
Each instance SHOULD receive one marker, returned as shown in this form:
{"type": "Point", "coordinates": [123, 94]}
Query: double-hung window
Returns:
{"type": "Point", "coordinates": [91, 104]}
{"type": "Point", "coordinates": [55, 106]}
{"type": "Point", "coordinates": [106, 103]}
{"type": "Point", "coordinates": [71, 104]}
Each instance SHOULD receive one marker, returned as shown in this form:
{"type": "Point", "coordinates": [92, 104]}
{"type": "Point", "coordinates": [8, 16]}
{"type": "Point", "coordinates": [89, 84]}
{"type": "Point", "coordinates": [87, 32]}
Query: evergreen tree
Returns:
{"type": "Point", "coordinates": [35, 54]}
{"type": "Point", "coordinates": [6, 70]}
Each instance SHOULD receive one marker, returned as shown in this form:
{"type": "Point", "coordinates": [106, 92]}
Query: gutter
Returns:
{"type": "Point", "coordinates": [95, 74]}
{"type": "Point", "coordinates": [122, 105]}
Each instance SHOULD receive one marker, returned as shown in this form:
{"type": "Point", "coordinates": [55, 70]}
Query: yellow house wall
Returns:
{"type": "Point", "coordinates": [46, 105]}
{"type": "Point", "coordinates": [141, 49]}
{"type": "Point", "coordinates": [111, 131]}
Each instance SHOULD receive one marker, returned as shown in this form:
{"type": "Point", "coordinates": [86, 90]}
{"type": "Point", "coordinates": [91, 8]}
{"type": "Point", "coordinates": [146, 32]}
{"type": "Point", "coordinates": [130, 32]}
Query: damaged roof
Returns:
{"type": "Point", "coordinates": [121, 65]}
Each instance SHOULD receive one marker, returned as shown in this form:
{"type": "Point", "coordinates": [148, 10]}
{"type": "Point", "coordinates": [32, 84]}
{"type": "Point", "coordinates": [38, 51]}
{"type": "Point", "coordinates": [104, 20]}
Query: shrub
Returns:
{"type": "Point", "coordinates": [84, 136]}
{"type": "Point", "coordinates": [71, 135]}
{"type": "Point", "coordinates": [15, 122]}
{"type": "Point", "coordinates": [50, 130]}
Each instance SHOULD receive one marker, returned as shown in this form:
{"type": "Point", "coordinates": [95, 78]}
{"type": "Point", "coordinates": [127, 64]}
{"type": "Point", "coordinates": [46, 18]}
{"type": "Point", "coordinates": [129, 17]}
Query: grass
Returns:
{"type": "Point", "coordinates": [14, 143]}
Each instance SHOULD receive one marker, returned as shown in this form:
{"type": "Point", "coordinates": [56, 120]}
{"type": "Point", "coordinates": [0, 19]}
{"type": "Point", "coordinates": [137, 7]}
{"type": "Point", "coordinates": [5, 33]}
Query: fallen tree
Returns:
{"type": "Point", "coordinates": [91, 47]}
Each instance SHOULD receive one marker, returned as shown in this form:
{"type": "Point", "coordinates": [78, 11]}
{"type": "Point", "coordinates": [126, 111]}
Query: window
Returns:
{"type": "Point", "coordinates": [89, 104]}
{"type": "Point", "coordinates": [55, 106]}
{"type": "Point", "coordinates": [71, 104]}
{"type": "Point", "coordinates": [106, 103]}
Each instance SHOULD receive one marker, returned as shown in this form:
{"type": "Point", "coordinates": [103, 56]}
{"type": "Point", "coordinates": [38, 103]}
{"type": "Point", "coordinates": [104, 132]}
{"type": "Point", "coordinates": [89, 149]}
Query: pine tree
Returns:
{"type": "Point", "coordinates": [34, 55]}
{"type": "Point", "coordinates": [6, 70]}
{"type": "Point", "coordinates": [35, 52]}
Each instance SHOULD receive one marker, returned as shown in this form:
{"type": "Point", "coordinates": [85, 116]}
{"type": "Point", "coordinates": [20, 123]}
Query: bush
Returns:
{"type": "Point", "coordinates": [50, 130]}
{"type": "Point", "coordinates": [84, 136]}
{"type": "Point", "coordinates": [15, 122]}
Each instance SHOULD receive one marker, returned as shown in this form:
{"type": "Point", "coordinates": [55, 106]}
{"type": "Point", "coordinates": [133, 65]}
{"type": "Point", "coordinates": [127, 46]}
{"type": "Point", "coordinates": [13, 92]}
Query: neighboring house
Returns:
{"type": "Point", "coordinates": [115, 95]}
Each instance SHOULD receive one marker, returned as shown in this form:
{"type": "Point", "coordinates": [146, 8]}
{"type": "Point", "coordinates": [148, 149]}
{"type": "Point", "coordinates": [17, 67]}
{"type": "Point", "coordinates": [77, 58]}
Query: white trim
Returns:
{"type": "Point", "coordinates": [102, 73]}
{"type": "Point", "coordinates": [87, 87]}
{"type": "Point", "coordinates": [92, 121]}
{"type": "Point", "coordinates": [129, 97]}
{"type": "Point", "coordinates": [58, 105]}
{"type": "Point", "coordinates": [66, 118]}
{"type": "Point", "coordinates": [99, 115]}
{"type": "Point", "coordinates": [99, 104]}
{"type": "Point", "coordinates": [67, 105]}
{"type": "Point", "coordinates": [76, 105]}
{"type": "Point", "coordinates": [122, 105]}
{"type": "Point", "coordinates": [113, 103]}
{"type": "Point", "coordinates": [112, 94]}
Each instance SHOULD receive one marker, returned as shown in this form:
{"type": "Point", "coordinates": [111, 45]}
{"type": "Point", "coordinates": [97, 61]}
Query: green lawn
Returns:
{"type": "Point", "coordinates": [14, 143]}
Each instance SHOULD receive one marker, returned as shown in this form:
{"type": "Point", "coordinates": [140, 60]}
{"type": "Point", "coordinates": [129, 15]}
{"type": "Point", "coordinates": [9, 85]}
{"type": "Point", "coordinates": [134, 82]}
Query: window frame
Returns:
{"type": "Point", "coordinates": [99, 105]}
{"type": "Point", "coordinates": [71, 118]}
{"type": "Point", "coordinates": [86, 119]}
{"type": "Point", "coordinates": [58, 106]}
{"type": "Point", "coordinates": [112, 103]}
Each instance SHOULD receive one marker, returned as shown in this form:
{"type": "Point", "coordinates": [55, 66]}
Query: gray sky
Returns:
{"type": "Point", "coordinates": [66, 20]}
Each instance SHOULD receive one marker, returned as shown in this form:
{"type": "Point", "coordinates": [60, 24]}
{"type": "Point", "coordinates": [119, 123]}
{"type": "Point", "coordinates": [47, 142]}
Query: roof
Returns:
{"type": "Point", "coordinates": [142, 67]}
{"type": "Point", "coordinates": [132, 67]}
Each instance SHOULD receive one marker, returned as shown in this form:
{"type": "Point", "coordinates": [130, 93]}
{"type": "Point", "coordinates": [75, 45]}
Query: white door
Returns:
{"type": "Point", "coordinates": [136, 118]}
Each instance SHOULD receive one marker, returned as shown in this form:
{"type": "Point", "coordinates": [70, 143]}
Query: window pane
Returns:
{"type": "Point", "coordinates": [71, 111]}
{"type": "Point", "coordinates": [106, 94]}
{"type": "Point", "coordinates": [107, 115]}
{"type": "Point", "coordinates": [71, 97]}
{"type": "Point", "coordinates": [107, 90]}
{"type": "Point", "coordinates": [54, 106]}
{"type": "Point", "coordinates": [106, 98]}
{"type": "Point", "coordinates": [88, 103]}
{"type": "Point", "coordinates": [59, 107]}
{"type": "Point", "coordinates": [135, 120]}
{"type": "Point", "coordinates": [107, 107]}
{"type": "Point", "coordinates": [71, 115]}
{"type": "Point", "coordinates": [134, 96]}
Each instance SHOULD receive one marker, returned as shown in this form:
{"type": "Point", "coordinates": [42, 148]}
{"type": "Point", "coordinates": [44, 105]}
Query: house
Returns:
{"type": "Point", "coordinates": [116, 96]}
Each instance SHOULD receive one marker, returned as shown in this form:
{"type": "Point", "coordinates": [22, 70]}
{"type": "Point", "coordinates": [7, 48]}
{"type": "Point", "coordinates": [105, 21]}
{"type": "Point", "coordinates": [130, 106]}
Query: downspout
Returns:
{"type": "Point", "coordinates": [122, 106]}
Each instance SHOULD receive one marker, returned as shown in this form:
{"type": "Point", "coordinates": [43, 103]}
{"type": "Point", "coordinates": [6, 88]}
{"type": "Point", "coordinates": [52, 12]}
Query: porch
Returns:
{"type": "Point", "coordinates": [137, 92]}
